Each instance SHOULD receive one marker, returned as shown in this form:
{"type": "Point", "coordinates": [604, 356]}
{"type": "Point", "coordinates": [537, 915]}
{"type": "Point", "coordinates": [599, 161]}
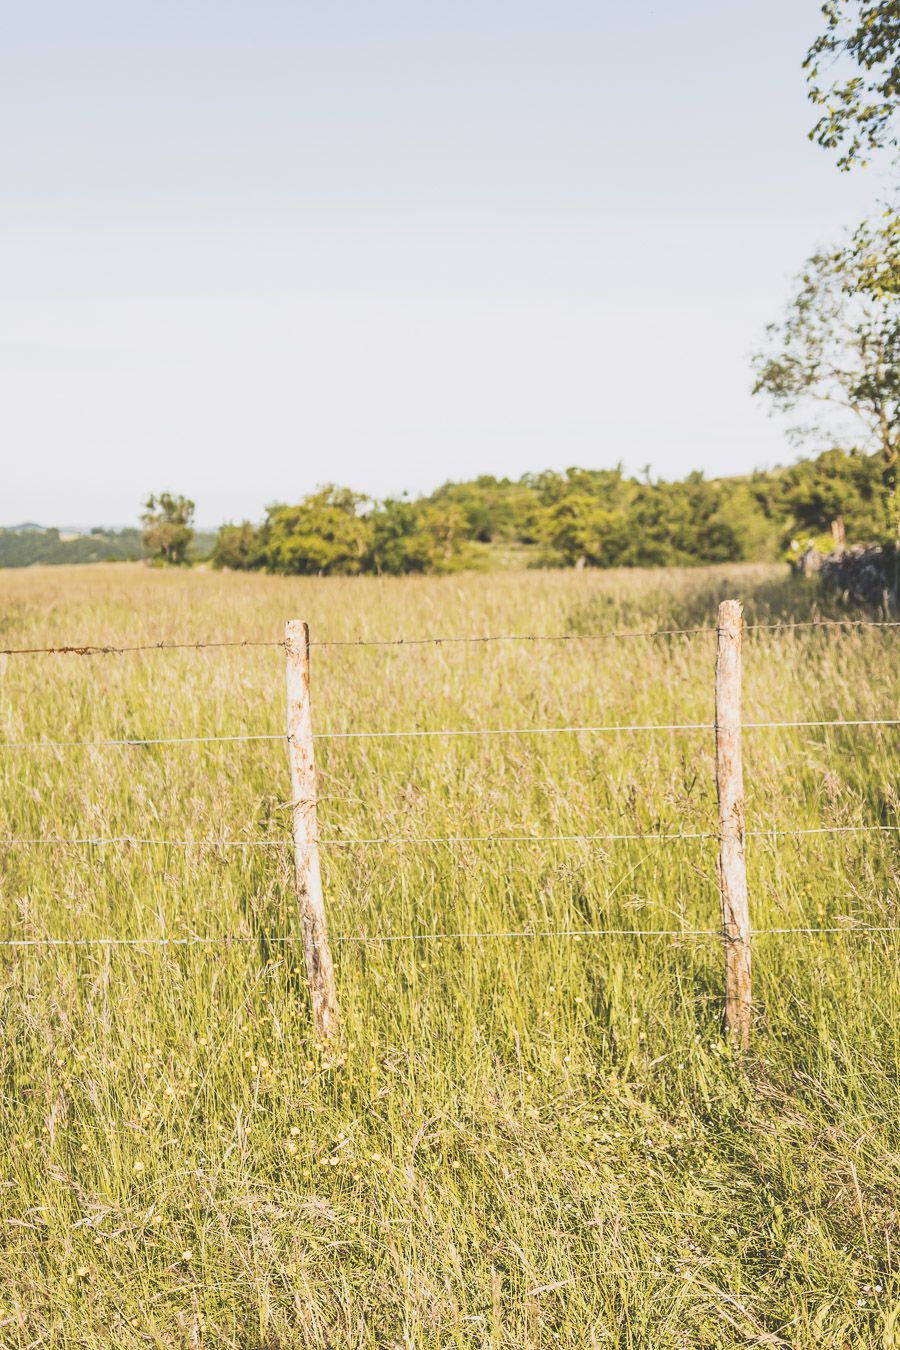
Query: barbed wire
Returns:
{"type": "Point", "coordinates": [447, 839]}
{"type": "Point", "coordinates": [787, 625]}
{"type": "Point", "coordinates": [134, 741]}
{"type": "Point", "coordinates": [107, 649]}
{"type": "Point", "coordinates": [102, 649]}
{"type": "Point", "coordinates": [195, 940]}
{"type": "Point", "coordinates": [419, 732]}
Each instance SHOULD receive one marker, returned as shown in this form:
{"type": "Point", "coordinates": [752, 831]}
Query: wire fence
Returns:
{"type": "Point", "coordinates": [295, 744]}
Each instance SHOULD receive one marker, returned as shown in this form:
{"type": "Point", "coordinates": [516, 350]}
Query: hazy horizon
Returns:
{"type": "Point", "coordinates": [210, 527]}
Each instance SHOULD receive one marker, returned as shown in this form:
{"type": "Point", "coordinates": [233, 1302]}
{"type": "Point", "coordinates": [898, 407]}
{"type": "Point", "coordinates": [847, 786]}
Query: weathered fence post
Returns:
{"type": "Point", "coordinates": [730, 790]}
{"type": "Point", "coordinates": [310, 902]}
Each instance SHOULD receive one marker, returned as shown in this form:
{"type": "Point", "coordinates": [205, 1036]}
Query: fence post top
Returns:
{"type": "Point", "coordinates": [296, 635]}
{"type": "Point", "coordinates": [730, 617]}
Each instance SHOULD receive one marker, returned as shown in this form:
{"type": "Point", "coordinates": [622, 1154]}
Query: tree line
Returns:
{"type": "Point", "coordinates": [583, 517]}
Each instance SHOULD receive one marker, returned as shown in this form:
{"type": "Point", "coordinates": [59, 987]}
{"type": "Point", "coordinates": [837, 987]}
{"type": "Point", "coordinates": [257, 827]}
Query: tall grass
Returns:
{"type": "Point", "coordinates": [524, 1142]}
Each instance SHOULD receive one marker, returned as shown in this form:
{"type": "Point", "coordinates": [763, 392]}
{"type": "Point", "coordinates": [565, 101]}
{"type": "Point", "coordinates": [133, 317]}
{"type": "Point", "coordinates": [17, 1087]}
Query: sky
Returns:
{"type": "Point", "coordinates": [250, 248]}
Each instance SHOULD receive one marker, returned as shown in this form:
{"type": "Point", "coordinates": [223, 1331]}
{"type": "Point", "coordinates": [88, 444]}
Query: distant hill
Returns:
{"type": "Point", "coordinates": [27, 544]}
{"type": "Point", "coordinates": [24, 545]}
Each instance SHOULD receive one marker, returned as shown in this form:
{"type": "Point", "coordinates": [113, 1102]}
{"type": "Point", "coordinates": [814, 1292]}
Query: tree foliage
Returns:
{"type": "Point", "coordinates": [238, 547]}
{"type": "Point", "coordinates": [584, 517]}
{"type": "Point", "coordinates": [168, 531]}
{"type": "Point", "coordinates": [837, 351]}
{"type": "Point", "coordinates": [337, 532]}
{"type": "Point", "coordinates": [325, 534]}
{"type": "Point", "coordinates": [853, 70]}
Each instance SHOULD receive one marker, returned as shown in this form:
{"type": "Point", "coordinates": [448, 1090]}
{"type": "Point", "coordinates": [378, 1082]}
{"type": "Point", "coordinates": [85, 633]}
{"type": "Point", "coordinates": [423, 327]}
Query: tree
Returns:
{"type": "Point", "coordinates": [838, 351]}
{"type": "Point", "coordinates": [326, 534]}
{"type": "Point", "coordinates": [397, 545]}
{"type": "Point", "coordinates": [238, 547]}
{"type": "Point", "coordinates": [815, 492]}
{"type": "Point", "coordinates": [675, 524]}
{"type": "Point", "coordinates": [495, 509]}
{"type": "Point", "coordinates": [860, 110]}
{"type": "Point", "coordinates": [861, 49]}
{"type": "Point", "coordinates": [167, 527]}
{"type": "Point", "coordinates": [861, 101]}
{"type": "Point", "coordinates": [579, 528]}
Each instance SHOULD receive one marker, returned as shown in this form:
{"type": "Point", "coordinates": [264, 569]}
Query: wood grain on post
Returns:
{"type": "Point", "coordinates": [310, 901]}
{"type": "Point", "coordinates": [730, 790]}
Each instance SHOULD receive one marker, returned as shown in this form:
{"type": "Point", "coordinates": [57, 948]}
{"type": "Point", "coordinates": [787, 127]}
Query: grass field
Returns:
{"type": "Point", "coordinates": [524, 1142]}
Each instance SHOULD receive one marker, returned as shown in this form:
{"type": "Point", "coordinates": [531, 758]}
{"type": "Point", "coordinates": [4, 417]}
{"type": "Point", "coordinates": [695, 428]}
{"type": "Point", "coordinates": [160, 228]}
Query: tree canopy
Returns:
{"type": "Point", "coordinates": [584, 517]}
{"type": "Point", "coordinates": [167, 527]}
{"type": "Point", "coordinates": [837, 351]}
{"type": "Point", "coordinates": [853, 70]}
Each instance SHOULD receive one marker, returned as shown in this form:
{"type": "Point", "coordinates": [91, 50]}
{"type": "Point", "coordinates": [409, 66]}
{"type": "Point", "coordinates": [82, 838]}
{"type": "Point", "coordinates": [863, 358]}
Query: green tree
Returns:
{"type": "Point", "coordinates": [397, 543]}
{"type": "Point", "coordinates": [495, 509]}
{"type": "Point", "coordinates": [424, 536]}
{"type": "Point", "coordinates": [168, 531]}
{"type": "Point", "coordinates": [874, 251]}
{"type": "Point", "coordinates": [859, 53]}
{"type": "Point", "coordinates": [444, 528]}
{"type": "Point", "coordinates": [579, 529]}
{"type": "Point", "coordinates": [815, 492]}
{"type": "Point", "coordinates": [326, 534]}
{"type": "Point", "coordinates": [837, 351]}
{"type": "Point", "coordinates": [238, 547]}
{"type": "Point", "coordinates": [677, 524]}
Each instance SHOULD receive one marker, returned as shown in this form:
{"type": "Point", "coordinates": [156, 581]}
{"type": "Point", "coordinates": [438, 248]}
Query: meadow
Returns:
{"type": "Point", "coordinates": [522, 1141]}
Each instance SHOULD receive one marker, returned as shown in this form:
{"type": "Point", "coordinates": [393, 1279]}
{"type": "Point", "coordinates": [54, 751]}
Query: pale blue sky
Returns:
{"type": "Point", "coordinates": [248, 248]}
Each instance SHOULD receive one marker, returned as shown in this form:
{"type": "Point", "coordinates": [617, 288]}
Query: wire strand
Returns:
{"type": "Point", "coordinates": [107, 649]}
{"type": "Point", "coordinates": [91, 649]}
{"type": "Point", "coordinates": [608, 728]}
{"type": "Point", "coordinates": [848, 930]}
{"type": "Point", "coordinates": [134, 741]}
{"type": "Point", "coordinates": [513, 637]}
{"type": "Point", "coordinates": [448, 839]}
{"type": "Point", "coordinates": [419, 732]}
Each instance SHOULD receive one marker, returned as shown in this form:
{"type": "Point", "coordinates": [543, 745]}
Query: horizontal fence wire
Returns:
{"type": "Point", "coordinates": [102, 649]}
{"type": "Point", "coordinates": [848, 930]}
{"type": "Point", "coordinates": [336, 841]}
{"type": "Point", "coordinates": [106, 649]}
{"type": "Point", "coordinates": [611, 728]}
{"type": "Point", "coordinates": [418, 732]}
{"type": "Point", "coordinates": [151, 740]}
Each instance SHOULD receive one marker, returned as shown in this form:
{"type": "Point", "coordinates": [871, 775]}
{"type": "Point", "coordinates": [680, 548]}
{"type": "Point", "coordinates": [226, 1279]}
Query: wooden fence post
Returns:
{"type": "Point", "coordinates": [310, 902]}
{"type": "Point", "coordinates": [730, 790]}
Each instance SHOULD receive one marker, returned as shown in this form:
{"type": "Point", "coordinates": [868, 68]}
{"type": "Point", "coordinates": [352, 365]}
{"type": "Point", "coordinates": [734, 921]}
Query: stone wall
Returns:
{"type": "Point", "coordinates": [864, 574]}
